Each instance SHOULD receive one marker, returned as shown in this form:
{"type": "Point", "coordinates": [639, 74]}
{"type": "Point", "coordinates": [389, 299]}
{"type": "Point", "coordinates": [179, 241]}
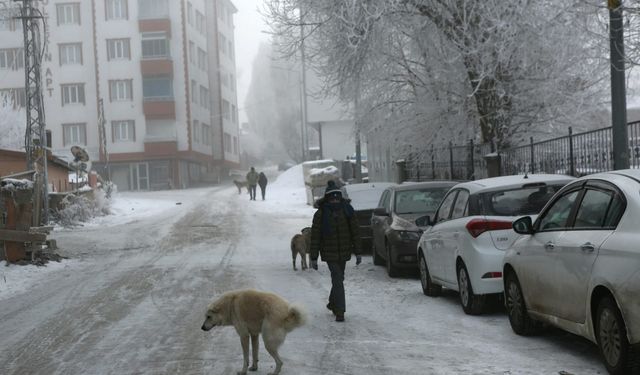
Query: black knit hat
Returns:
{"type": "Point", "coordinates": [332, 188]}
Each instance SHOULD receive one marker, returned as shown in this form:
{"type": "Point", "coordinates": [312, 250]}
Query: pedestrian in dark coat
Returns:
{"type": "Point", "coordinates": [334, 236]}
{"type": "Point", "coordinates": [262, 182]}
{"type": "Point", "coordinates": [252, 181]}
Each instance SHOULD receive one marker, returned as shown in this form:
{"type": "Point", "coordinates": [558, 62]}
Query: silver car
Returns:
{"type": "Point", "coordinates": [577, 266]}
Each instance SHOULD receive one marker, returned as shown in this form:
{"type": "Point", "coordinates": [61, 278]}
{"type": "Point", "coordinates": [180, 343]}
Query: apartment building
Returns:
{"type": "Point", "coordinates": [151, 71]}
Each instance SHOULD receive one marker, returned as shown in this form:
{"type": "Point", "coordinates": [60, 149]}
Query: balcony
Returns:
{"type": "Point", "coordinates": [155, 25]}
{"type": "Point", "coordinates": [157, 108]}
{"type": "Point", "coordinates": [156, 66]}
{"type": "Point", "coordinates": [160, 146]}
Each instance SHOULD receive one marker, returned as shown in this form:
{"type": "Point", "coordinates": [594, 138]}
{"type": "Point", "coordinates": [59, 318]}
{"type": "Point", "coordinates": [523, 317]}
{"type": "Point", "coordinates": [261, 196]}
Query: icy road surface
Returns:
{"type": "Point", "coordinates": [132, 296]}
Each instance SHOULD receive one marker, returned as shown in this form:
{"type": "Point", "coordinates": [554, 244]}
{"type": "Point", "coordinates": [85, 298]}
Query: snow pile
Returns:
{"type": "Point", "coordinates": [15, 184]}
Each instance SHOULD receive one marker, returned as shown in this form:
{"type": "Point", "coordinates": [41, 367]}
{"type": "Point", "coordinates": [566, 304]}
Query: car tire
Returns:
{"type": "Point", "coordinates": [392, 270]}
{"type": "Point", "coordinates": [377, 259]}
{"type": "Point", "coordinates": [521, 323]}
{"type": "Point", "coordinates": [611, 334]}
{"type": "Point", "coordinates": [428, 287]}
{"type": "Point", "coordinates": [472, 304]}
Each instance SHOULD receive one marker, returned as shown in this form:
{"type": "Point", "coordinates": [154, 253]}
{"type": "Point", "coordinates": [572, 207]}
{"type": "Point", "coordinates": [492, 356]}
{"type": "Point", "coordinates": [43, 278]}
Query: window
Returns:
{"type": "Point", "coordinates": [120, 90]}
{"type": "Point", "coordinates": [73, 94]}
{"type": "Point", "coordinates": [227, 142]}
{"type": "Point", "coordinates": [199, 22]}
{"type": "Point", "coordinates": [196, 131]}
{"type": "Point", "coordinates": [202, 59]}
{"type": "Point", "coordinates": [194, 91]}
{"type": "Point", "coordinates": [204, 97]}
{"type": "Point", "coordinates": [157, 87]}
{"type": "Point", "coordinates": [155, 45]}
{"type": "Point", "coordinates": [150, 9]}
{"type": "Point", "coordinates": [225, 110]}
{"type": "Point", "coordinates": [231, 53]}
{"type": "Point", "coordinates": [222, 43]}
{"type": "Point", "coordinates": [15, 96]}
{"type": "Point", "coordinates": [234, 116]}
{"type": "Point", "coordinates": [445, 207]}
{"type": "Point", "coordinates": [206, 134]}
{"type": "Point", "coordinates": [12, 58]}
{"type": "Point", "coordinates": [74, 134]}
{"type": "Point", "coordinates": [557, 215]}
{"type": "Point", "coordinates": [68, 13]}
{"type": "Point", "coordinates": [593, 209]}
{"type": "Point", "coordinates": [6, 24]}
{"type": "Point", "coordinates": [232, 82]}
{"type": "Point", "coordinates": [118, 49]}
{"type": "Point", "coordinates": [192, 52]}
{"type": "Point", "coordinates": [190, 13]}
{"type": "Point", "coordinates": [224, 78]}
{"type": "Point", "coordinates": [117, 10]}
{"type": "Point", "coordinates": [460, 208]}
{"type": "Point", "coordinates": [526, 200]}
{"type": "Point", "coordinates": [123, 131]}
{"type": "Point", "coordinates": [235, 145]}
{"type": "Point", "coordinates": [419, 200]}
{"type": "Point", "coordinates": [70, 53]}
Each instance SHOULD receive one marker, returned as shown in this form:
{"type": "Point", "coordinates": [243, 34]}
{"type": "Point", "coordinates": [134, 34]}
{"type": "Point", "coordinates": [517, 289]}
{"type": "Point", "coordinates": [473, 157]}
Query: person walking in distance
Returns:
{"type": "Point", "coordinates": [334, 236]}
{"type": "Point", "coordinates": [252, 181]}
{"type": "Point", "coordinates": [262, 182]}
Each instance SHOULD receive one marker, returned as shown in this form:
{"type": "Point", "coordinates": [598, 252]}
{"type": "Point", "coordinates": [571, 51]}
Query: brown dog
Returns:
{"type": "Point", "coordinates": [240, 185]}
{"type": "Point", "coordinates": [300, 245]}
{"type": "Point", "coordinates": [253, 313]}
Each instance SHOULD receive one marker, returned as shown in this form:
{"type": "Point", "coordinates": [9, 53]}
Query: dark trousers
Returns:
{"type": "Point", "coordinates": [252, 192]}
{"type": "Point", "coordinates": [263, 189]}
{"type": "Point", "coordinates": [336, 297]}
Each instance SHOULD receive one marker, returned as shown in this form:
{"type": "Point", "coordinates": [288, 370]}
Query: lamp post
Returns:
{"type": "Point", "coordinates": [618, 96]}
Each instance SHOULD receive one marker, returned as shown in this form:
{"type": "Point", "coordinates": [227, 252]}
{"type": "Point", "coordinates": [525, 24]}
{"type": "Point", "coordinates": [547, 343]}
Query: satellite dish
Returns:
{"type": "Point", "coordinates": [79, 154]}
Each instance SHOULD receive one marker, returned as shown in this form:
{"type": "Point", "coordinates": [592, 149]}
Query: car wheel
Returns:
{"type": "Point", "coordinates": [472, 304]}
{"type": "Point", "coordinates": [428, 287]}
{"type": "Point", "coordinates": [521, 322]}
{"type": "Point", "coordinates": [377, 259]}
{"type": "Point", "coordinates": [611, 334]}
{"type": "Point", "coordinates": [392, 270]}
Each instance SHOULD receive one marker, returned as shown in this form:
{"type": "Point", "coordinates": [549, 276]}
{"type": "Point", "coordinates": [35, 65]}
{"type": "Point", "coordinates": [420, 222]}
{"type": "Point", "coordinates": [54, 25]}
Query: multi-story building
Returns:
{"type": "Point", "coordinates": [159, 74]}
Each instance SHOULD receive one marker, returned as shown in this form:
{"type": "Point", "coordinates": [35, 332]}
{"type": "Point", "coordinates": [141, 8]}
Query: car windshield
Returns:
{"type": "Point", "coordinates": [526, 200]}
{"type": "Point", "coordinates": [420, 200]}
{"type": "Point", "coordinates": [365, 199]}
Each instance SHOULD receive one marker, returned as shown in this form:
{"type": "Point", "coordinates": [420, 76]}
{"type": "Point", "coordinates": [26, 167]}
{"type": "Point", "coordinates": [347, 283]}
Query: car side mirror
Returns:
{"type": "Point", "coordinates": [380, 211]}
{"type": "Point", "coordinates": [423, 221]}
{"type": "Point", "coordinates": [524, 225]}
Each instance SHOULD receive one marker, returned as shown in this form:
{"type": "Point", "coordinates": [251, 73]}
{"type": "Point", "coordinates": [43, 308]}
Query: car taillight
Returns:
{"type": "Point", "coordinates": [478, 226]}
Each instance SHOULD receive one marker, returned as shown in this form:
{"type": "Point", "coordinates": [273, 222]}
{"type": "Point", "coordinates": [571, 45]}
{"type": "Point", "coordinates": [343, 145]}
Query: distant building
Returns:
{"type": "Point", "coordinates": [164, 71]}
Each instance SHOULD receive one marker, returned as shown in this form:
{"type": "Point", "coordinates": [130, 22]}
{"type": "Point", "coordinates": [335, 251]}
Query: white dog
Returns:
{"type": "Point", "coordinates": [252, 313]}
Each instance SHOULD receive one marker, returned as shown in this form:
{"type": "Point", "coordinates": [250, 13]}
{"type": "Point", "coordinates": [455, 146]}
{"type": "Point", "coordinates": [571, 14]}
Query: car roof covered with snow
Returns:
{"type": "Point", "coordinates": [515, 181]}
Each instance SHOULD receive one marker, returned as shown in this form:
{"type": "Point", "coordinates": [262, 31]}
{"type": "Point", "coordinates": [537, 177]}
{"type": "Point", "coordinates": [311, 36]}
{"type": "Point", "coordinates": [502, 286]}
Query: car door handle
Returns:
{"type": "Point", "coordinates": [549, 246]}
{"type": "Point", "coordinates": [587, 247]}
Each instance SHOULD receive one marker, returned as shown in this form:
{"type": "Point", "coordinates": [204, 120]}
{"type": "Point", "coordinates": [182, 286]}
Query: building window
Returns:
{"type": "Point", "coordinates": [233, 113]}
{"type": "Point", "coordinates": [232, 82]}
{"type": "Point", "coordinates": [192, 52]}
{"type": "Point", "coordinates": [7, 24]}
{"type": "Point", "coordinates": [15, 96]}
{"type": "Point", "coordinates": [70, 53]}
{"type": "Point", "coordinates": [117, 10]}
{"type": "Point", "coordinates": [206, 134]}
{"type": "Point", "coordinates": [155, 45]}
{"type": "Point", "coordinates": [235, 145]}
{"type": "Point", "coordinates": [123, 131]}
{"type": "Point", "coordinates": [74, 134]}
{"type": "Point", "coordinates": [194, 91]}
{"type": "Point", "coordinates": [153, 9]}
{"type": "Point", "coordinates": [196, 131]}
{"type": "Point", "coordinates": [200, 23]}
{"type": "Point", "coordinates": [202, 59]}
{"type": "Point", "coordinates": [224, 78]}
{"type": "Point", "coordinates": [231, 53]}
{"type": "Point", "coordinates": [190, 13]}
{"type": "Point", "coordinates": [227, 142]}
{"type": "Point", "coordinates": [157, 87]}
{"type": "Point", "coordinates": [204, 97]}
{"type": "Point", "coordinates": [68, 13]}
{"type": "Point", "coordinates": [118, 49]}
{"type": "Point", "coordinates": [121, 90]}
{"type": "Point", "coordinates": [222, 43]}
{"type": "Point", "coordinates": [73, 94]}
{"type": "Point", "coordinates": [226, 109]}
{"type": "Point", "coordinates": [12, 58]}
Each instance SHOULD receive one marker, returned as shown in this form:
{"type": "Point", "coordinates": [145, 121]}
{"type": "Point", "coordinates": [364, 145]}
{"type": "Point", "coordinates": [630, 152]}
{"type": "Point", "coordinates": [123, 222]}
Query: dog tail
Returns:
{"type": "Point", "coordinates": [297, 317]}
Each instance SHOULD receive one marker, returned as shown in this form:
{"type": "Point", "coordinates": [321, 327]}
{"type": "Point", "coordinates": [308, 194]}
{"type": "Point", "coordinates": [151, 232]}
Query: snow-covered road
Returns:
{"type": "Point", "coordinates": [132, 296]}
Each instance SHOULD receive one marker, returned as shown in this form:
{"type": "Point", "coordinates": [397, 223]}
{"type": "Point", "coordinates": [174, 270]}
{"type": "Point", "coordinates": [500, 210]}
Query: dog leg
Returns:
{"type": "Point", "coordinates": [294, 256]}
{"type": "Point", "coordinates": [272, 341]}
{"type": "Point", "coordinates": [254, 351]}
{"type": "Point", "coordinates": [304, 261]}
{"type": "Point", "coordinates": [245, 353]}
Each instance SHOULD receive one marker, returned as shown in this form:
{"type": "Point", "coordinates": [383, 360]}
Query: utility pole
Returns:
{"type": "Point", "coordinates": [303, 71]}
{"type": "Point", "coordinates": [356, 123]}
{"type": "Point", "coordinates": [35, 135]}
{"type": "Point", "coordinates": [618, 96]}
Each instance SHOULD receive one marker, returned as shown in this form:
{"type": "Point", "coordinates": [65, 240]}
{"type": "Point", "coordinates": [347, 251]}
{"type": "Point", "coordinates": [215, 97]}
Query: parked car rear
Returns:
{"type": "Point", "coordinates": [364, 199]}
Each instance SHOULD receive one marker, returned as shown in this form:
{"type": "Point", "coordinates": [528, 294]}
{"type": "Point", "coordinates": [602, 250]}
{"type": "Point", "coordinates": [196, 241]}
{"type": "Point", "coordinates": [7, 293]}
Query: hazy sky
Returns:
{"type": "Point", "coordinates": [249, 31]}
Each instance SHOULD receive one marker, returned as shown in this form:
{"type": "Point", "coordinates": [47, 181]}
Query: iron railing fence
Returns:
{"type": "Point", "coordinates": [572, 154]}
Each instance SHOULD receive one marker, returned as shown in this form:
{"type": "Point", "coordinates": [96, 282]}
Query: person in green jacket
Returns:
{"type": "Point", "coordinates": [252, 181]}
{"type": "Point", "coordinates": [334, 236]}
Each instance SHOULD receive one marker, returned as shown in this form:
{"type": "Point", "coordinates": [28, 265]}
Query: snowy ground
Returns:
{"type": "Point", "coordinates": [131, 297]}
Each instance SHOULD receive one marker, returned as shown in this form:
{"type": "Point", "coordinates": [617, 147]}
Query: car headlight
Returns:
{"type": "Point", "coordinates": [406, 235]}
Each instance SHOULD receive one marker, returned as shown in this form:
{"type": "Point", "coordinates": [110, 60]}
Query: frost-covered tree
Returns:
{"type": "Point", "coordinates": [12, 125]}
{"type": "Point", "coordinates": [432, 68]}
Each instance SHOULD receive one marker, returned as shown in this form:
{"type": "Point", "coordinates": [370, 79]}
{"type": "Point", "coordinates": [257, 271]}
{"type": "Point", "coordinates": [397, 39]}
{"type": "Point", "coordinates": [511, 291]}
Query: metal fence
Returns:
{"type": "Point", "coordinates": [572, 154]}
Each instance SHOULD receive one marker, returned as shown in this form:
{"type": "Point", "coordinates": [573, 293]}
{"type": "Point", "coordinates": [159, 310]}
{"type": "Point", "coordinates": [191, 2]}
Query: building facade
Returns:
{"type": "Point", "coordinates": [140, 84]}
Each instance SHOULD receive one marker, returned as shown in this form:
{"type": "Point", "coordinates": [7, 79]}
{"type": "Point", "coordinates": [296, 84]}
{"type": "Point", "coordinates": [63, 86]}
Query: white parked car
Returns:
{"type": "Point", "coordinates": [577, 267]}
{"type": "Point", "coordinates": [463, 247]}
